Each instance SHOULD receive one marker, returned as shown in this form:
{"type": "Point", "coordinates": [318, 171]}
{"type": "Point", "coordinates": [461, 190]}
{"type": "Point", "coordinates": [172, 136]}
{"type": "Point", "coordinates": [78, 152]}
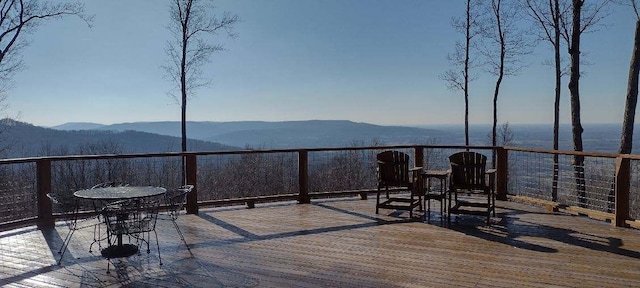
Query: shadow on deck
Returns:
{"type": "Point", "coordinates": [341, 243]}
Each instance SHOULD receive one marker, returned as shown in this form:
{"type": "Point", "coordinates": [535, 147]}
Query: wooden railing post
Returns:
{"type": "Point", "coordinates": [43, 184]}
{"type": "Point", "coordinates": [622, 182]}
{"type": "Point", "coordinates": [419, 152]}
{"type": "Point", "coordinates": [303, 177]}
{"type": "Point", "coordinates": [502, 177]}
{"type": "Point", "coordinates": [191, 168]}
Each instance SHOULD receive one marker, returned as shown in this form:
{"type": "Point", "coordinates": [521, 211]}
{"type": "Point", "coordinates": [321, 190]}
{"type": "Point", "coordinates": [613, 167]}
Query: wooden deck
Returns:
{"type": "Point", "coordinates": [342, 243]}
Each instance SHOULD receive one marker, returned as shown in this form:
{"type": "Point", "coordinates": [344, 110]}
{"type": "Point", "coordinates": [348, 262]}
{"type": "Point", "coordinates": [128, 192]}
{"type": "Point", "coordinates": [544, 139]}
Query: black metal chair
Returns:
{"type": "Point", "coordinates": [145, 222]}
{"type": "Point", "coordinates": [136, 219]}
{"type": "Point", "coordinates": [175, 200]}
{"type": "Point", "coordinates": [98, 208]}
{"type": "Point", "coordinates": [69, 209]}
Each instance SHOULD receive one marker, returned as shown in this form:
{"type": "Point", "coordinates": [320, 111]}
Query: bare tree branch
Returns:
{"type": "Point", "coordinates": [459, 76]}
{"type": "Point", "coordinates": [18, 17]}
{"type": "Point", "coordinates": [192, 24]}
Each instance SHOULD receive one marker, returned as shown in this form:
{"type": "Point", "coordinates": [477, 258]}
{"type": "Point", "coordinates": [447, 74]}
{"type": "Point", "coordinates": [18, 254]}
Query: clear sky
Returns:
{"type": "Point", "coordinates": [375, 61]}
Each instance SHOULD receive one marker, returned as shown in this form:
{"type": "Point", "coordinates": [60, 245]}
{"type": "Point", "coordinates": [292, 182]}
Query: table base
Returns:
{"type": "Point", "coordinates": [125, 250]}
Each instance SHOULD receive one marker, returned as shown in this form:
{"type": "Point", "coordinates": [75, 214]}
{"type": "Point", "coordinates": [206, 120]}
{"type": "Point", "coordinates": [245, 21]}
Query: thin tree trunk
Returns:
{"type": "Point", "coordinates": [577, 129]}
{"type": "Point", "coordinates": [626, 139]}
{"type": "Point", "coordinates": [183, 85]}
{"type": "Point", "coordinates": [556, 106]}
{"type": "Point", "coordinates": [496, 92]}
{"type": "Point", "coordinates": [466, 74]}
{"type": "Point", "coordinates": [495, 116]}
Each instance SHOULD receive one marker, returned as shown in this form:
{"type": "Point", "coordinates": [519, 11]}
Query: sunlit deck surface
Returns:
{"type": "Point", "coordinates": [341, 243]}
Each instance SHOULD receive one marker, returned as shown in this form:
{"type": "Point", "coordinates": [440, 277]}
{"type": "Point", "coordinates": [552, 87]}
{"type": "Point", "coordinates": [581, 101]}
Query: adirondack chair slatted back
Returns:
{"type": "Point", "coordinates": [468, 171]}
{"type": "Point", "coordinates": [393, 169]}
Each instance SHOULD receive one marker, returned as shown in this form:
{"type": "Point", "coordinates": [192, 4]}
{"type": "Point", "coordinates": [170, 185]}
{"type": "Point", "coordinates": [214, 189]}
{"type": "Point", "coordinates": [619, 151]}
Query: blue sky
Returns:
{"type": "Point", "coordinates": [375, 61]}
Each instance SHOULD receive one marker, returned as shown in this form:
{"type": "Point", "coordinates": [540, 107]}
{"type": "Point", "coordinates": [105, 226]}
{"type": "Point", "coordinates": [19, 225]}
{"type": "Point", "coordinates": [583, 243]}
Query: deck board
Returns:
{"type": "Point", "coordinates": [342, 243]}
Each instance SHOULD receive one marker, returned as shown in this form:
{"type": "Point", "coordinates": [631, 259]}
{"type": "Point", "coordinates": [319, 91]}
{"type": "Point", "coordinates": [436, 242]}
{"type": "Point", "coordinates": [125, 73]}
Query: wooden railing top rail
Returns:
{"type": "Point", "coordinates": [237, 152]}
{"type": "Point", "coordinates": [225, 152]}
{"type": "Point", "coordinates": [43, 169]}
{"type": "Point", "coordinates": [569, 152]}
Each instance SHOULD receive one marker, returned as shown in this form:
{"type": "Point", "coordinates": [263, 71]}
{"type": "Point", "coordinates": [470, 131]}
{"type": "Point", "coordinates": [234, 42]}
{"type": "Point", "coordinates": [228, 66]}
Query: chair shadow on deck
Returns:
{"type": "Point", "coordinates": [512, 227]}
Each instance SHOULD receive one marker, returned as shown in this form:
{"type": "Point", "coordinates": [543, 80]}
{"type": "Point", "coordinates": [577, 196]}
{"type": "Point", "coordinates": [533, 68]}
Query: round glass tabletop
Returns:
{"type": "Point", "coordinates": [120, 192]}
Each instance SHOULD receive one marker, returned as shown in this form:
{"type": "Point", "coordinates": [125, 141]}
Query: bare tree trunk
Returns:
{"type": "Point", "coordinates": [626, 139]}
{"type": "Point", "coordinates": [183, 85]}
{"type": "Point", "coordinates": [188, 51]}
{"type": "Point", "coordinates": [574, 51]}
{"type": "Point", "coordinates": [495, 104]}
{"type": "Point", "coordinates": [466, 74]}
{"type": "Point", "coordinates": [496, 92]}
{"type": "Point", "coordinates": [556, 106]}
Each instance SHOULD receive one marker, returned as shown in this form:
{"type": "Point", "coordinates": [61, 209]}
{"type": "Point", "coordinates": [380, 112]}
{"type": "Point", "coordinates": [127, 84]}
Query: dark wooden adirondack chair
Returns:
{"type": "Point", "coordinates": [394, 172]}
{"type": "Point", "coordinates": [468, 176]}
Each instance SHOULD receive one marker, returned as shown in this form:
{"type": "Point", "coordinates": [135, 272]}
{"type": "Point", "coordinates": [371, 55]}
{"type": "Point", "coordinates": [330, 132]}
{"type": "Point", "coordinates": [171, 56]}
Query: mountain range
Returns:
{"type": "Point", "coordinates": [286, 134]}
{"type": "Point", "coordinates": [18, 139]}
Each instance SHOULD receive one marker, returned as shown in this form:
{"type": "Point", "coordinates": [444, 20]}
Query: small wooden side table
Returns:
{"type": "Point", "coordinates": [441, 175]}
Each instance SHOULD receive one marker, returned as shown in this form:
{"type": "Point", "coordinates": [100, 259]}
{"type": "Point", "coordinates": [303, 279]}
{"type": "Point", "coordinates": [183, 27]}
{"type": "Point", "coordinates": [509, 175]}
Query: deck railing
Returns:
{"type": "Point", "coordinates": [252, 176]}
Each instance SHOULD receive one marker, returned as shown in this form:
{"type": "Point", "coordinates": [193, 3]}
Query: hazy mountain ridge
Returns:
{"type": "Point", "coordinates": [25, 140]}
{"type": "Point", "coordinates": [70, 126]}
{"type": "Point", "coordinates": [340, 133]}
{"type": "Point", "coordinates": [285, 134]}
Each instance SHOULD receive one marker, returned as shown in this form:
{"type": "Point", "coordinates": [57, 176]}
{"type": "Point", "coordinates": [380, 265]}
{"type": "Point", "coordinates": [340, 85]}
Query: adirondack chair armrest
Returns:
{"type": "Point", "coordinates": [416, 177]}
{"type": "Point", "coordinates": [491, 173]}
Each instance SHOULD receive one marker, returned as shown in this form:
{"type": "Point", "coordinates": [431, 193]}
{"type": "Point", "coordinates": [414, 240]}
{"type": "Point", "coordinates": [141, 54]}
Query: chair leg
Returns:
{"type": "Point", "coordinates": [443, 199]}
{"type": "Point", "coordinates": [65, 244]}
{"type": "Point", "coordinates": [148, 240]}
{"type": "Point", "coordinates": [427, 200]}
{"type": "Point", "coordinates": [494, 203]}
{"type": "Point", "coordinates": [489, 209]}
{"type": "Point", "coordinates": [449, 209]}
{"type": "Point", "coordinates": [97, 239]}
{"type": "Point", "coordinates": [180, 234]}
{"type": "Point", "coordinates": [428, 208]}
{"type": "Point", "coordinates": [157, 244]}
{"type": "Point", "coordinates": [378, 201]}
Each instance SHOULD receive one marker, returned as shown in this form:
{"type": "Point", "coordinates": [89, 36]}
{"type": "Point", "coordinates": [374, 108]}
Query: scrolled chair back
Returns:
{"type": "Point", "coordinates": [176, 198]}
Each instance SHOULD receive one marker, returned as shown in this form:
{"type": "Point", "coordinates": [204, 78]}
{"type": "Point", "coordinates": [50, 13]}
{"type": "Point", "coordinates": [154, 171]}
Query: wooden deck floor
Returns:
{"type": "Point", "coordinates": [341, 243]}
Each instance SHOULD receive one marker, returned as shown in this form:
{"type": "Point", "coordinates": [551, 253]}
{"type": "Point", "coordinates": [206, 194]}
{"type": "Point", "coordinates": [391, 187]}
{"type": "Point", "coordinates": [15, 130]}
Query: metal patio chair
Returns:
{"type": "Point", "coordinates": [175, 200]}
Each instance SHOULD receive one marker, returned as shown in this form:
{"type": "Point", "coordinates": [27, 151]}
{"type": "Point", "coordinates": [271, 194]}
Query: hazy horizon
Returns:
{"type": "Point", "coordinates": [302, 120]}
{"type": "Point", "coordinates": [377, 63]}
